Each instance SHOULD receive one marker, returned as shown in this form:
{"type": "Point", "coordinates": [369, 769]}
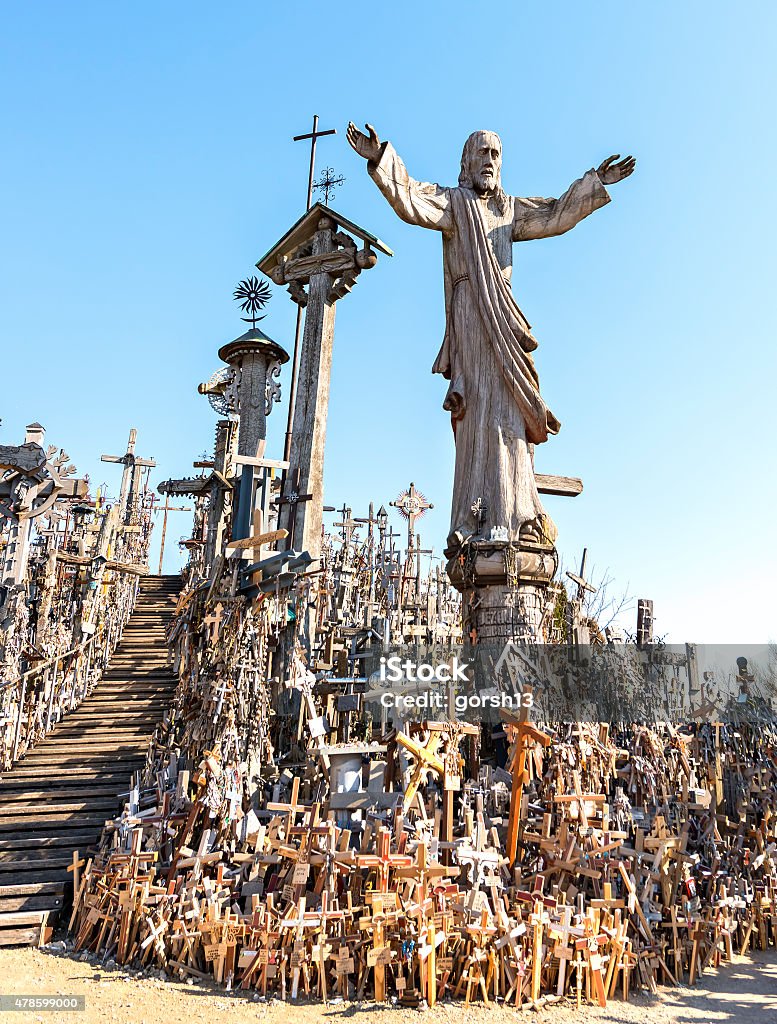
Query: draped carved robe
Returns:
{"type": "Point", "coordinates": [494, 400]}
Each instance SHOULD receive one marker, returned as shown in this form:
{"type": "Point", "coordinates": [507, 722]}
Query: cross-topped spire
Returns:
{"type": "Point", "coordinates": [313, 136]}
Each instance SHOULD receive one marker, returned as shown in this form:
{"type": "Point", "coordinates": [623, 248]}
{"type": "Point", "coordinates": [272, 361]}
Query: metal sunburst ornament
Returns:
{"type": "Point", "coordinates": [253, 295]}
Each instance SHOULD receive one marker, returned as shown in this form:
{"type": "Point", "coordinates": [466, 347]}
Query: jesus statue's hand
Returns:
{"type": "Point", "coordinates": [369, 148]}
{"type": "Point", "coordinates": [609, 171]}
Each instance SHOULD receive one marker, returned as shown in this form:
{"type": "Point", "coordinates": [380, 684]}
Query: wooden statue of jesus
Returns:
{"type": "Point", "coordinates": [496, 409]}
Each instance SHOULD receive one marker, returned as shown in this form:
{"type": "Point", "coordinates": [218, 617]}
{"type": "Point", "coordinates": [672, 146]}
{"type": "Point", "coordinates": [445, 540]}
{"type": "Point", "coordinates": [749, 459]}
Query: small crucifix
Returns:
{"type": "Point", "coordinates": [479, 510]}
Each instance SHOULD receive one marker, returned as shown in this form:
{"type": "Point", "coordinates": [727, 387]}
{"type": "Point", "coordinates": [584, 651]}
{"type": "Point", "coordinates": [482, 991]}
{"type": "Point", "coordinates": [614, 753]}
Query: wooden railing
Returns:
{"type": "Point", "coordinates": [41, 697]}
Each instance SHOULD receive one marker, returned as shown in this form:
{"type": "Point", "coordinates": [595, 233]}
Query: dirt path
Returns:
{"type": "Point", "coordinates": [744, 992]}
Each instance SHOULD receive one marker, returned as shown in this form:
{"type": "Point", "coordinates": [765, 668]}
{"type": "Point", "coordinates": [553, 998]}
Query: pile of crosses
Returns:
{"type": "Point", "coordinates": [283, 839]}
{"type": "Point", "coordinates": [69, 570]}
{"type": "Point", "coordinates": [278, 845]}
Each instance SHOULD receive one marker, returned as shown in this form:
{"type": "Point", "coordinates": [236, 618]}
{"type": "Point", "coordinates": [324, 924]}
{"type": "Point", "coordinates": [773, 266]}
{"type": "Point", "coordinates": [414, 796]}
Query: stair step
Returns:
{"type": "Point", "coordinates": [58, 797]}
{"type": "Point", "coordinates": [18, 810]}
{"type": "Point", "coordinates": [51, 823]}
{"type": "Point", "coordinates": [34, 889]}
{"type": "Point", "coordinates": [22, 936]}
{"type": "Point", "coordinates": [34, 841]}
{"type": "Point", "coordinates": [23, 904]}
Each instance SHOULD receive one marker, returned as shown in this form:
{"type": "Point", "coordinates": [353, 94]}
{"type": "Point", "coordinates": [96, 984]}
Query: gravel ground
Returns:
{"type": "Point", "coordinates": [744, 991]}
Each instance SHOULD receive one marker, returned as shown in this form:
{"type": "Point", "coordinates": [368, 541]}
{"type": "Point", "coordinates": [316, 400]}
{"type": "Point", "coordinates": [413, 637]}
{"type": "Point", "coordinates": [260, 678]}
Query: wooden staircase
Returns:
{"type": "Point", "coordinates": [56, 799]}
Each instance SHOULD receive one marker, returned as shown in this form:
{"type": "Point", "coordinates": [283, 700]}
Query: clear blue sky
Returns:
{"type": "Point", "coordinates": [147, 163]}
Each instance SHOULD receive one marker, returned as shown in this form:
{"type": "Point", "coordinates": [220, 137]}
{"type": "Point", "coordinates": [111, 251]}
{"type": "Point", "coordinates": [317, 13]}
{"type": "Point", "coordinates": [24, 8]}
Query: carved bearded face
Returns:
{"type": "Point", "coordinates": [481, 162]}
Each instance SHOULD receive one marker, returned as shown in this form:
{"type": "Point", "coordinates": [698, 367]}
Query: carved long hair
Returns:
{"type": "Point", "coordinates": [466, 176]}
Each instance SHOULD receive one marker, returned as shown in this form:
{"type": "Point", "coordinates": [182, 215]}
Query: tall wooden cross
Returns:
{"type": "Point", "coordinates": [579, 578]}
{"type": "Point", "coordinates": [166, 508]}
{"type": "Point", "coordinates": [130, 478]}
{"type": "Point", "coordinates": [524, 736]}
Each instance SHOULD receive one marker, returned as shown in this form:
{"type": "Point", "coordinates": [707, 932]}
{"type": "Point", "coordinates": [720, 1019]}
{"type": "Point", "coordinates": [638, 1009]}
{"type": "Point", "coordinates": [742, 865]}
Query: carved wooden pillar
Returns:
{"type": "Point", "coordinates": [318, 252]}
{"type": "Point", "coordinates": [255, 359]}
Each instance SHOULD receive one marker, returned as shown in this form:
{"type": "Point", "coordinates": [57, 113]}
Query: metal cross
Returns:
{"type": "Point", "coordinates": [292, 497]}
{"type": "Point", "coordinates": [348, 525]}
{"type": "Point", "coordinates": [313, 136]}
{"type": "Point", "coordinates": [328, 182]}
{"type": "Point", "coordinates": [412, 505]}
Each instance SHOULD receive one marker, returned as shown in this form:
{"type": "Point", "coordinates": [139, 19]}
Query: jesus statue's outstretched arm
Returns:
{"type": "Point", "coordinates": [543, 218]}
{"type": "Point", "coordinates": [416, 202]}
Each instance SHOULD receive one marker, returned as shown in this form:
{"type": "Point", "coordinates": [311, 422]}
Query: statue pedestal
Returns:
{"type": "Point", "coordinates": [504, 586]}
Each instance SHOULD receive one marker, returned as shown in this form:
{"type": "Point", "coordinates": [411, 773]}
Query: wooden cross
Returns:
{"type": "Point", "coordinates": [525, 735]}
{"type": "Point", "coordinates": [130, 478]}
{"type": "Point", "coordinates": [344, 965]}
{"type": "Point", "coordinates": [348, 525]}
{"type": "Point", "coordinates": [75, 867]}
{"type": "Point", "coordinates": [167, 507]}
{"type": "Point", "coordinates": [590, 945]}
{"type": "Point", "coordinates": [321, 952]}
{"type": "Point", "coordinates": [482, 935]}
{"type": "Point", "coordinates": [300, 923]}
{"type": "Point", "coordinates": [515, 971]}
{"type": "Point", "coordinates": [582, 584]}
{"type": "Point", "coordinates": [383, 860]}
{"type": "Point", "coordinates": [562, 950]}
{"type": "Point", "coordinates": [424, 872]}
{"type": "Point", "coordinates": [427, 759]}
{"type": "Point", "coordinates": [292, 808]}
{"type": "Point", "coordinates": [213, 622]}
